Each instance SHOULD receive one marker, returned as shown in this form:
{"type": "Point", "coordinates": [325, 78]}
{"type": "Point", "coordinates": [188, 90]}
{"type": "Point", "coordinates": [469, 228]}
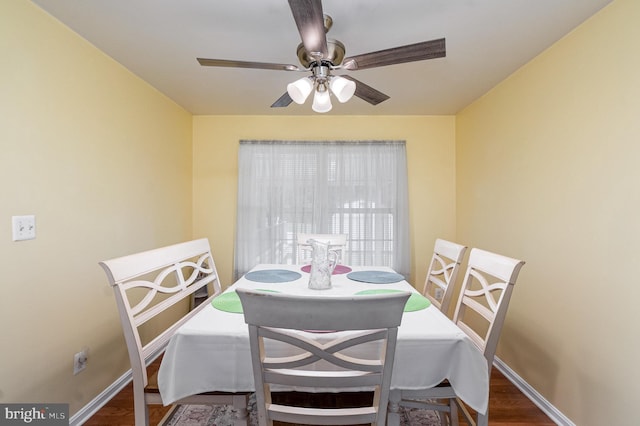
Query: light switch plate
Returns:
{"type": "Point", "coordinates": [24, 227]}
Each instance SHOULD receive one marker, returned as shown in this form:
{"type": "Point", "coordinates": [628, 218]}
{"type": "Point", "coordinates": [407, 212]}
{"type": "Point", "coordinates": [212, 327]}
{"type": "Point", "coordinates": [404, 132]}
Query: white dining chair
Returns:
{"type": "Point", "coordinates": [284, 354]}
{"type": "Point", "coordinates": [149, 284]}
{"type": "Point", "coordinates": [442, 273]}
{"type": "Point", "coordinates": [482, 305]}
{"type": "Point", "coordinates": [337, 242]}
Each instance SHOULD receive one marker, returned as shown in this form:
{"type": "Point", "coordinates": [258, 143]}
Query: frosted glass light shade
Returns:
{"type": "Point", "coordinates": [299, 90]}
{"type": "Point", "coordinates": [321, 101]}
{"type": "Point", "coordinates": [342, 88]}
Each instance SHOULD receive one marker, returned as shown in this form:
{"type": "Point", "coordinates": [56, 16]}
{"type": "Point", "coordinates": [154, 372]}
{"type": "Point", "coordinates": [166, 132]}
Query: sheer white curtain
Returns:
{"type": "Point", "coordinates": [355, 188]}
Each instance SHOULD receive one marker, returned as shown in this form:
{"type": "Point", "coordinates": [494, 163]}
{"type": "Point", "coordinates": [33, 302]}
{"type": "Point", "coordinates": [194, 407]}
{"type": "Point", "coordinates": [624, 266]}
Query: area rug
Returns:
{"type": "Point", "coordinates": [223, 415]}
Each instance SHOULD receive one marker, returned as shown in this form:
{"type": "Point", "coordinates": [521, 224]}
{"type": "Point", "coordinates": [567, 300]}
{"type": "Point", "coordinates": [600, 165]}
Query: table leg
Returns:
{"type": "Point", "coordinates": [393, 411]}
{"type": "Point", "coordinates": [242, 415]}
{"type": "Point", "coordinates": [483, 419]}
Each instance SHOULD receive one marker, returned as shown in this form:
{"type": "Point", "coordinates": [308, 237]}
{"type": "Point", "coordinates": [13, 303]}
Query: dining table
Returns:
{"type": "Point", "coordinates": [210, 352]}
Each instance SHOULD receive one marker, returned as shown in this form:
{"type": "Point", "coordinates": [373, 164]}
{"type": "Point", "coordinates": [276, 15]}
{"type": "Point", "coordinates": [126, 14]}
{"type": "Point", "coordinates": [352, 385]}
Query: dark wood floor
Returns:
{"type": "Point", "coordinates": [507, 406]}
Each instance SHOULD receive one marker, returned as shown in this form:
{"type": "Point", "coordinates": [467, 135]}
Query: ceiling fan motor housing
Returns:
{"type": "Point", "coordinates": [335, 54]}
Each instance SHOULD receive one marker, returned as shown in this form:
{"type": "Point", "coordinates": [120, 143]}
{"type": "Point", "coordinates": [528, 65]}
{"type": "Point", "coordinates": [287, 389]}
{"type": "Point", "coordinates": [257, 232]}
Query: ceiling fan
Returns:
{"type": "Point", "coordinates": [322, 56]}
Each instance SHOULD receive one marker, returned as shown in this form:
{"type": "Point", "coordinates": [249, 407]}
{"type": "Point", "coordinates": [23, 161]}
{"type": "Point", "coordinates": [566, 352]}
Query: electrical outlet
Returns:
{"type": "Point", "coordinates": [80, 361]}
{"type": "Point", "coordinates": [23, 227]}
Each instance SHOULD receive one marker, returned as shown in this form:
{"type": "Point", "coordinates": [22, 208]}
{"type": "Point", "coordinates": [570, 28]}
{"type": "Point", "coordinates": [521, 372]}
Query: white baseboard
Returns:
{"type": "Point", "coordinates": [554, 414]}
{"type": "Point", "coordinates": [106, 395]}
{"type": "Point", "coordinates": [535, 397]}
{"type": "Point", "coordinates": [101, 400]}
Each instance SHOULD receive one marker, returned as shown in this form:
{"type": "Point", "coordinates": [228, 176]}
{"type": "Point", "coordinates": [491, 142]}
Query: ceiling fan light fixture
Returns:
{"type": "Point", "coordinates": [343, 88]}
{"type": "Point", "coordinates": [321, 55]}
{"type": "Point", "coordinates": [300, 90]}
{"type": "Point", "coordinates": [321, 101]}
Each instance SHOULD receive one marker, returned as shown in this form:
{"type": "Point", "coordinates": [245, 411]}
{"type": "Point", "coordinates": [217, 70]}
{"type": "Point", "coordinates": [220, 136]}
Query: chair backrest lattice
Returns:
{"type": "Point", "coordinates": [443, 272]}
{"type": "Point", "coordinates": [284, 354]}
{"type": "Point", "coordinates": [149, 283]}
{"type": "Point", "coordinates": [484, 298]}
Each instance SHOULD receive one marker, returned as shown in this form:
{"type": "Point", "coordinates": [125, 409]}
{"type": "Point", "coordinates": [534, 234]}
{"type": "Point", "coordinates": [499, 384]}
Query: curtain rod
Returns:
{"type": "Point", "coordinates": [285, 142]}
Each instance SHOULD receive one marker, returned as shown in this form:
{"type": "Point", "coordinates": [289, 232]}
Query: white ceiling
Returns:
{"type": "Point", "coordinates": [159, 40]}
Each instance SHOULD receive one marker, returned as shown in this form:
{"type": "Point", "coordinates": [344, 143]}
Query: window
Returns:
{"type": "Point", "coordinates": [355, 188]}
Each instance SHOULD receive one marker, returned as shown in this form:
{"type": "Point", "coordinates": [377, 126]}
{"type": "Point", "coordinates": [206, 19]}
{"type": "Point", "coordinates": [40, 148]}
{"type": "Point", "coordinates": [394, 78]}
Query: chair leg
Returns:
{"type": "Point", "coordinates": [482, 419]}
{"type": "Point", "coordinates": [140, 409]}
{"type": "Point", "coordinates": [453, 412]}
{"type": "Point", "coordinates": [445, 420]}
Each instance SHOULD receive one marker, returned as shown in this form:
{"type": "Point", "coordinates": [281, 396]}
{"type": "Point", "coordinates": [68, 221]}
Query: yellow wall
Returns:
{"type": "Point", "coordinates": [104, 162]}
{"type": "Point", "coordinates": [547, 169]}
{"type": "Point", "coordinates": [430, 162]}
{"type": "Point", "coordinates": [542, 168]}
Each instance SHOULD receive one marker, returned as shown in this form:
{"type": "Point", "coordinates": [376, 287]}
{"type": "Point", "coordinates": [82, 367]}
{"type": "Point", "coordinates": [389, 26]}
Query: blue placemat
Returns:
{"type": "Point", "coordinates": [273, 276]}
{"type": "Point", "coordinates": [375, 277]}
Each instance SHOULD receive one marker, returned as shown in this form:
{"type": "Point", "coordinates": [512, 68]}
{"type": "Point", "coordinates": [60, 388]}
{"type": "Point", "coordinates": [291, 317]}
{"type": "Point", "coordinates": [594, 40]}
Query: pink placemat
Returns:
{"type": "Point", "coordinates": [340, 269]}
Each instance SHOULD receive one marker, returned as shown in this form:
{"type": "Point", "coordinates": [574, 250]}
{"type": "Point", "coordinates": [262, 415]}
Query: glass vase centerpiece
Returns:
{"type": "Point", "coordinates": [323, 262]}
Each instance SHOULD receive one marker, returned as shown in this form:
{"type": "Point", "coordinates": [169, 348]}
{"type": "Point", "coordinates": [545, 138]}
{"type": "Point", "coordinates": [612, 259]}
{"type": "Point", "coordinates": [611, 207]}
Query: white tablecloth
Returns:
{"type": "Point", "coordinates": [211, 351]}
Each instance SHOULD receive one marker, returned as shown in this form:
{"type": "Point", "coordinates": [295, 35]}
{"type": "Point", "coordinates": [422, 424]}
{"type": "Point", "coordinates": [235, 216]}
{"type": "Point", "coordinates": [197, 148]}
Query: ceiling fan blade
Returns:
{"type": "Point", "coordinates": [366, 92]}
{"type": "Point", "coordinates": [397, 55]}
{"type": "Point", "coordinates": [247, 64]}
{"type": "Point", "coordinates": [282, 101]}
{"type": "Point", "coordinates": [310, 21]}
